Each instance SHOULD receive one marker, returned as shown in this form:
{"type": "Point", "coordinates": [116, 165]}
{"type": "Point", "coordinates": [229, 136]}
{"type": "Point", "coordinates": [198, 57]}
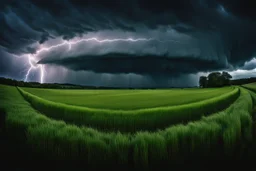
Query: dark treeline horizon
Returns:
{"type": "Point", "coordinates": [13, 82]}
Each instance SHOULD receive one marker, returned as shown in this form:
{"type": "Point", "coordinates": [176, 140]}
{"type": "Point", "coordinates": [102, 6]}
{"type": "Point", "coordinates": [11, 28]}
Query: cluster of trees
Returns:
{"type": "Point", "coordinates": [215, 79]}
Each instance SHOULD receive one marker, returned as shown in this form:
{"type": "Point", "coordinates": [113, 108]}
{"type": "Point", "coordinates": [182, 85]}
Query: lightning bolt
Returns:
{"type": "Point", "coordinates": [33, 62]}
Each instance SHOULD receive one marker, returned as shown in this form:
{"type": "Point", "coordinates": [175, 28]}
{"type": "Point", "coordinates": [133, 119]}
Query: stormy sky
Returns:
{"type": "Point", "coordinates": [133, 43]}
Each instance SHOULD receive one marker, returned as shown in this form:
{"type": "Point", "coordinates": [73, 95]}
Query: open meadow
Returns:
{"type": "Point", "coordinates": [130, 128]}
{"type": "Point", "coordinates": [127, 99]}
{"type": "Point", "coordinates": [149, 118]}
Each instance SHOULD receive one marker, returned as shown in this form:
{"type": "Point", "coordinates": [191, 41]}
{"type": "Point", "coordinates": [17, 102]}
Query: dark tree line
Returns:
{"type": "Point", "coordinates": [13, 82]}
{"type": "Point", "coordinates": [215, 79]}
{"type": "Point", "coordinates": [243, 81]}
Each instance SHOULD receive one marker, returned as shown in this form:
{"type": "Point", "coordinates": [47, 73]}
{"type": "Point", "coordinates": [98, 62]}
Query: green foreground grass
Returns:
{"type": "Point", "coordinates": [127, 99]}
{"type": "Point", "coordinates": [131, 120]}
{"type": "Point", "coordinates": [221, 134]}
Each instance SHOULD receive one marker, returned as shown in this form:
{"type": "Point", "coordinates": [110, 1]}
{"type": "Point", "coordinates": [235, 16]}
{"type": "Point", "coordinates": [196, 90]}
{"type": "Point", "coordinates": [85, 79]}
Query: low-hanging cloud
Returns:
{"type": "Point", "coordinates": [150, 65]}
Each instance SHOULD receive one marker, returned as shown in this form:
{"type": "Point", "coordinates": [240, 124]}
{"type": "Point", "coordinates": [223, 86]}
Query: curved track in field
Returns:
{"type": "Point", "coordinates": [127, 99]}
{"type": "Point", "coordinates": [131, 120]}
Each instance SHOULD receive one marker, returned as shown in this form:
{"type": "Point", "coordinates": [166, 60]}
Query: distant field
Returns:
{"type": "Point", "coordinates": [251, 86]}
{"type": "Point", "coordinates": [128, 99]}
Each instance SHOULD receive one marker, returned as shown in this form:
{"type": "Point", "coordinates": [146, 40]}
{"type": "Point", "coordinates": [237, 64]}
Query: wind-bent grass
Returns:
{"type": "Point", "coordinates": [131, 121]}
{"type": "Point", "coordinates": [205, 139]}
{"type": "Point", "coordinates": [128, 99]}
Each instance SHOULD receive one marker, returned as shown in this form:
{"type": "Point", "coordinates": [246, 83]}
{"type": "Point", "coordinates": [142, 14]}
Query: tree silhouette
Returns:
{"type": "Point", "coordinates": [215, 79]}
{"type": "Point", "coordinates": [203, 81]}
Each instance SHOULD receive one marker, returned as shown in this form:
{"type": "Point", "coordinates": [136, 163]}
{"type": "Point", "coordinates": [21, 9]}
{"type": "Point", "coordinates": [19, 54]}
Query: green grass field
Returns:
{"type": "Point", "coordinates": [251, 87]}
{"type": "Point", "coordinates": [127, 99]}
{"type": "Point", "coordinates": [134, 120]}
{"type": "Point", "coordinates": [225, 134]}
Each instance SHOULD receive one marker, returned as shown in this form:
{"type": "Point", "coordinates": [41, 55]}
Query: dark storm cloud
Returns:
{"type": "Point", "coordinates": [151, 65]}
{"type": "Point", "coordinates": [222, 33]}
{"type": "Point", "coordinates": [9, 67]}
{"type": "Point", "coordinates": [5, 62]}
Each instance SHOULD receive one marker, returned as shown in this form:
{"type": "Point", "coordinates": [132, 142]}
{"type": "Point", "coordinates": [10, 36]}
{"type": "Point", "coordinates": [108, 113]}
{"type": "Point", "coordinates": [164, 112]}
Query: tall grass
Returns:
{"type": "Point", "coordinates": [131, 121]}
{"type": "Point", "coordinates": [217, 135]}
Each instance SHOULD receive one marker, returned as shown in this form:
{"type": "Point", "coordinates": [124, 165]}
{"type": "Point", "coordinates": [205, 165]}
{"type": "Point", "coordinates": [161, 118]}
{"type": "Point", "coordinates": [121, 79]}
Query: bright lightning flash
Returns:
{"type": "Point", "coordinates": [33, 62]}
{"type": "Point", "coordinates": [33, 65]}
